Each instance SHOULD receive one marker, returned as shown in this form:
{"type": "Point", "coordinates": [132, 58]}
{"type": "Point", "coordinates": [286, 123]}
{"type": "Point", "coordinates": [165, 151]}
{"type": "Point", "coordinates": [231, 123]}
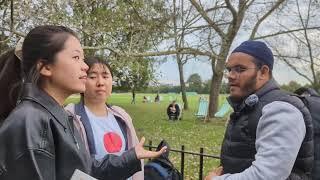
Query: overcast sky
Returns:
{"type": "Point", "coordinates": [170, 75]}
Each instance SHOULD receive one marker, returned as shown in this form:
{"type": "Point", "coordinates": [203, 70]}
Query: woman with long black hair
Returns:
{"type": "Point", "coordinates": [38, 138]}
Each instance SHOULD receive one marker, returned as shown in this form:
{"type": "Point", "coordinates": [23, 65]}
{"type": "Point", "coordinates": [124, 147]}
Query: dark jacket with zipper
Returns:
{"type": "Point", "coordinates": [38, 141]}
{"type": "Point", "coordinates": [239, 146]}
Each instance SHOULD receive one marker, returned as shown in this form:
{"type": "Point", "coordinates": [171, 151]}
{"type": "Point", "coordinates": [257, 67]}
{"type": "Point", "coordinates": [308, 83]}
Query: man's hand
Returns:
{"type": "Point", "coordinates": [214, 173]}
{"type": "Point", "coordinates": [144, 154]}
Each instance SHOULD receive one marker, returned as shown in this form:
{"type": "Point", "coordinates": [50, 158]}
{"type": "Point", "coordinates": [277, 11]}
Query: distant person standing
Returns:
{"type": "Point", "coordinates": [173, 111]}
{"type": "Point", "coordinates": [133, 97]}
{"type": "Point", "coordinates": [157, 98]}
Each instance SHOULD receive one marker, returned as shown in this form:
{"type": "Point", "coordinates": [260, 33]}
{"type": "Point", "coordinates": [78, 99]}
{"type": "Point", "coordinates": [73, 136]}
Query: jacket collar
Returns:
{"type": "Point", "coordinates": [269, 86]}
{"type": "Point", "coordinates": [33, 93]}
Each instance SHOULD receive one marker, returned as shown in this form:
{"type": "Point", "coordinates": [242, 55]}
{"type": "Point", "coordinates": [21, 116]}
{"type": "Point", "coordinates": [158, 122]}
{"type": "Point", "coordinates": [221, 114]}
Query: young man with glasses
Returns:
{"type": "Point", "coordinates": [269, 135]}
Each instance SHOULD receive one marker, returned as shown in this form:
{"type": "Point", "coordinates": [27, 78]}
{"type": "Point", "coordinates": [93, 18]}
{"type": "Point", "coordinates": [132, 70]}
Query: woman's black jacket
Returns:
{"type": "Point", "coordinates": [38, 141]}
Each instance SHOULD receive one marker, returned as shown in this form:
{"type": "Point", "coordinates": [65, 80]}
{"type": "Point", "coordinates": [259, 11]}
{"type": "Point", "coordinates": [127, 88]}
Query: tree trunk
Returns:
{"type": "Point", "coordinates": [179, 58]}
{"type": "Point", "coordinates": [214, 91]}
{"type": "Point", "coordinates": [217, 69]}
{"type": "Point", "coordinates": [182, 83]}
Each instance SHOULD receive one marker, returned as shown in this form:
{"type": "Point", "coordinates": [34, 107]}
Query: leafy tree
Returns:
{"type": "Point", "coordinates": [107, 28]}
{"type": "Point", "coordinates": [133, 76]}
{"type": "Point", "coordinates": [224, 88]}
{"type": "Point", "coordinates": [291, 86]}
{"type": "Point", "coordinates": [195, 83]}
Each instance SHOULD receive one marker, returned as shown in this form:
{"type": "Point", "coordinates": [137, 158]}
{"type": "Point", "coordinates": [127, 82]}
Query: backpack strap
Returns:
{"type": "Point", "coordinates": [161, 170]}
{"type": "Point", "coordinates": [79, 110]}
{"type": "Point", "coordinates": [123, 128]}
{"type": "Point", "coordinates": [122, 125]}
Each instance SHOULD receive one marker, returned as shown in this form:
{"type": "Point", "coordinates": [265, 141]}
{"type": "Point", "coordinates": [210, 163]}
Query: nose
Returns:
{"type": "Point", "coordinates": [232, 75]}
{"type": "Point", "coordinates": [229, 74]}
{"type": "Point", "coordinates": [100, 81]}
{"type": "Point", "coordinates": [84, 67]}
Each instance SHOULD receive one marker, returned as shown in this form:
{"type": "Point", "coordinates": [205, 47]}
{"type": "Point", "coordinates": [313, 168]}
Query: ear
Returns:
{"type": "Point", "coordinates": [264, 73]}
{"type": "Point", "coordinates": [44, 70]}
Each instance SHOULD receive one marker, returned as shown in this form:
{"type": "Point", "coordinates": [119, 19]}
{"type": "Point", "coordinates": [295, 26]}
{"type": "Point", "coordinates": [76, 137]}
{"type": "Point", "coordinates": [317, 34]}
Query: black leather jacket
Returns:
{"type": "Point", "coordinates": [38, 141]}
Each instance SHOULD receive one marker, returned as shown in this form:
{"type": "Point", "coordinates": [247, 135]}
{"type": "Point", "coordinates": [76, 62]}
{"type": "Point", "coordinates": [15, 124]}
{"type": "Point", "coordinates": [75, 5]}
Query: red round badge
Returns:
{"type": "Point", "coordinates": [112, 142]}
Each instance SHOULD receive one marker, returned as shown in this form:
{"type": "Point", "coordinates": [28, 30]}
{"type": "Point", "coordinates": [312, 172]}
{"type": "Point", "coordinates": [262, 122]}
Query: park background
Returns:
{"type": "Point", "coordinates": [173, 47]}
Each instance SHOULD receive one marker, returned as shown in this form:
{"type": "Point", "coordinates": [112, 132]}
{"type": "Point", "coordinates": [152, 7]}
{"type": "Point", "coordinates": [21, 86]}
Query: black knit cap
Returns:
{"type": "Point", "coordinates": [259, 50]}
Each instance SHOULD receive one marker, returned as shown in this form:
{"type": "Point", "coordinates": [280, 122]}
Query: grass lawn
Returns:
{"type": "Point", "coordinates": [150, 120]}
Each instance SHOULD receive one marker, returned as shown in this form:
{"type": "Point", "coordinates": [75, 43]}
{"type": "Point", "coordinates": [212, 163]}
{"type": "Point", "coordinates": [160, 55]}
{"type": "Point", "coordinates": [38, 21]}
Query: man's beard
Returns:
{"type": "Point", "coordinates": [250, 85]}
{"type": "Point", "coordinates": [248, 88]}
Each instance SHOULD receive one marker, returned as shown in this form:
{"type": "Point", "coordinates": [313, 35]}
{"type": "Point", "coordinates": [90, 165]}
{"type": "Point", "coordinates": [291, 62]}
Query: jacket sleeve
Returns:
{"type": "Point", "coordinates": [168, 110]}
{"type": "Point", "coordinates": [116, 167]}
{"type": "Point", "coordinates": [27, 145]}
{"type": "Point", "coordinates": [177, 109]}
{"type": "Point", "coordinates": [280, 132]}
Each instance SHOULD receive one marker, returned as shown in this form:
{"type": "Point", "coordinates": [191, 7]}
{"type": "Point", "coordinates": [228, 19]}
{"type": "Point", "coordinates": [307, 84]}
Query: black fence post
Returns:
{"type": "Point", "coordinates": [182, 161]}
{"type": "Point", "coordinates": [150, 147]}
{"type": "Point", "coordinates": [182, 152]}
{"type": "Point", "coordinates": [201, 164]}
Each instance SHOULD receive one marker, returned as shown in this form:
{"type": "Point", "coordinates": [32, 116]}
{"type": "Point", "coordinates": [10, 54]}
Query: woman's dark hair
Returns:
{"type": "Point", "coordinates": [9, 77]}
{"type": "Point", "coordinates": [41, 44]}
{"type": "Point", "coordinates": [92, 60]}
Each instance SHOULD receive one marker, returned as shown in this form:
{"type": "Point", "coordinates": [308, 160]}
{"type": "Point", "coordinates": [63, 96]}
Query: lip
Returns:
{"type": "Point", "coordinates": [100, 91]}
{"type": "Point", "coordinates": [83, 77]}
{"type": "Point", "coordinates": [232, 87]}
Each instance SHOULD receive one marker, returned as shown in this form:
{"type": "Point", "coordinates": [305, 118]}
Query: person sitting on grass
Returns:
{"type": "Point", "coordinates": [173, 111]}
{"type": "Point", "coordinates": [145, 99]}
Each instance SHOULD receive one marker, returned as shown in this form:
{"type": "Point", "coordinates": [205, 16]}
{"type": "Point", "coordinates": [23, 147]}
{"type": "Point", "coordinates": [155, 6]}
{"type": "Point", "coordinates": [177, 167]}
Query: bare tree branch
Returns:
{"type": "Point", "coordinates": [192, 51]}
{"type": "Point", "coordinates": [2, 2]}
{"type": "Point", "coordinates": [195, 52]}
{"type": "Point", "coordinates": [231, 8]}
{"type": "Point", "coordinates": [7, 39]}
{"type": "Point", "coordinates": [295, 69]}
{"type": "Point", "coordinates": [215, 8]}
{"type": "Point", "coordinates": [209, 21]}
{"type": "Point", "coordinates": [256, 26]}
{"type": "Point", "coordinates": [249, 2]}
{"type": "Point", "coordinates": [11, 14]}
{"type": "Point", "coordinates": [13, 31]}
{"type": "Point", "coordinates": [295, 57]}
{"type": "Point", "coordinates": [286, 32]}
{"type": "Point", "coordinates": [305, 25]}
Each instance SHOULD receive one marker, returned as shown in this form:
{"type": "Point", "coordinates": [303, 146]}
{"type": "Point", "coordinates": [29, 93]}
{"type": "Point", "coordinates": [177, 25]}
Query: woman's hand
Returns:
{"type": "Point", "coordinates": [216, 172]}
{"type": "Point", "coordinates": [144, 154]}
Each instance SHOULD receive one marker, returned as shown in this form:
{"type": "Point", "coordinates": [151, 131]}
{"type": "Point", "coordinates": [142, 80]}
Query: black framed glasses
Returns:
{"type": "Point", "coordinates": [237, 70]}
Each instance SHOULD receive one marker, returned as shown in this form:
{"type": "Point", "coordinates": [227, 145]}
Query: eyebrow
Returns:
{"type": "Point", "coordinates": [95, 72]}
{"type": "Point", "coordinates": [77, 51]}
{"type": "Point", "coordinates": [237, 65]}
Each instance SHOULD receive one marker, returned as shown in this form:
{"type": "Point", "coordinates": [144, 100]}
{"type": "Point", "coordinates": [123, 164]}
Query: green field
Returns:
{"type": "Point", "coordinates": [150, 121]}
